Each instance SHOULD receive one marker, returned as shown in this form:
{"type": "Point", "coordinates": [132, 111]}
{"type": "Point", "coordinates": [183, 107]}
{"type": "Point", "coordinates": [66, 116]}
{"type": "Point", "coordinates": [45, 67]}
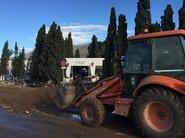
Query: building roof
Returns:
{"type": "Point", "coordinates": [157, 34]}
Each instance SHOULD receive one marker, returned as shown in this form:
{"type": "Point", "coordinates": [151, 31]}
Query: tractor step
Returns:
{"type": "Point", "coordinates": [122, 106]}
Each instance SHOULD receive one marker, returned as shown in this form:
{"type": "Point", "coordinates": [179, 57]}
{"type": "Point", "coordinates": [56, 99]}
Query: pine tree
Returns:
{"type": "Point", "coordinates": [167, 20]}
{"type": "Point", "coordinates": [4, 60]}
{"type": "Point", "coordinates": [143, 16]}
{"type": "Point", "coordinates": [38, 60]}
{"type": "Point", "coordinates": [69, 46]}
{"type": "Point", "coordinates": [15, 63]}
{"type": "Point", "coordinates": [110, 48]}
{"type": "Point", "coordinates": [77, 53]}
{"type": "Point", "coordinates": [154, 27]}
{"type": "Point", "coordinates": [182, 16]}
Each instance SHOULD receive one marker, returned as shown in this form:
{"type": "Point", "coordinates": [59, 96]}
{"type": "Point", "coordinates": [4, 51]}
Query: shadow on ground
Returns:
{"type": "Point", "coordinates": [121, 126]}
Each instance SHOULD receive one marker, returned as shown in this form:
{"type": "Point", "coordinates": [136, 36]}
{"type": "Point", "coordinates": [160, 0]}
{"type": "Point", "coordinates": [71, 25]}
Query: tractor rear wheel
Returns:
{"type": "Point", "coordinates": [159, 113]}
{"type": "Point", "coordinates": [92, 112]}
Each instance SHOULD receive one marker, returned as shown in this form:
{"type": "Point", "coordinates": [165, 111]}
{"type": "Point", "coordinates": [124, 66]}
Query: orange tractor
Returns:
{"type": "Point", "coordinates": [151, 87]}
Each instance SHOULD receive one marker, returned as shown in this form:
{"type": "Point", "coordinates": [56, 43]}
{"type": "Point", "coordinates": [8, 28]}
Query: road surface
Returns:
{"type": "Point", "coordinates": [56, 124]}
{"type": "Point", "coordinates": [50, 122]}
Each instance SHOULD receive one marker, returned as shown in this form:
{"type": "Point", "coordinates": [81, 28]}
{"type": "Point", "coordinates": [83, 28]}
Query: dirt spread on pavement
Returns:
{"type": "Point", "coordinates": [49, 121]}
{"type": "Point", "coordinates": [25, 99]}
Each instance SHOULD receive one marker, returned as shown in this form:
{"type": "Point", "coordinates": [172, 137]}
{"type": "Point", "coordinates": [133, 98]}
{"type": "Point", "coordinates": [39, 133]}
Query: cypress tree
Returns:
{"type": "Point", "coordinates": [95, 49]}
{"type": "Point", "coordinates": [92, 49]}
{"type": "Point", "coordinates": [21, 63]}
{"type": "Point", "coordinates": [60, 48]}
{"type": "Point", "coordinates": [15, 63]}
{"type": "Point", "coordinates": [101, 48]}
{"type": "Point", "coordinates": [51, 59]}
{"type": "Point", "coordinates": [4, 60]}
{"type": "Point", "coordinates": [143, 16]}
{"type": "Point", "coordinates": [110, 48]}
{"type": "Point", "coordinates": [167, 19]}
{"type": "Point", "coordinates": [69, 46]}
{"type": "Point", "coordinates": [53, 62]}
{"type": "Point", "coordinates": [18, 65]}
{"type": "Point", "coordinates": [38, 59]}
{"type": "Point", "coordinates": [66, 47]}
{"type": "Point", "coordinates": [182, 16]}
{"type": "Point", "coordinates": [122, 41]}
{"type": "Point", "coordinates": [77, 53]}
{"type": "Point", "coordinates": [154, 27]}
{"type": "Point", "coordinates": [60, 52]}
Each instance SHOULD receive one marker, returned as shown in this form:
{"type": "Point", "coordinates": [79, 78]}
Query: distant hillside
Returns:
{"type": "Point", "coordinates": [83, 49]}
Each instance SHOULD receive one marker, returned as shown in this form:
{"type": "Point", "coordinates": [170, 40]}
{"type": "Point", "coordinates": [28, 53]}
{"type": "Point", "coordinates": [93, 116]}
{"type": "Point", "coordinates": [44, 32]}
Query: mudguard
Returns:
{"type": "Point", "coordinates": [166, 81]}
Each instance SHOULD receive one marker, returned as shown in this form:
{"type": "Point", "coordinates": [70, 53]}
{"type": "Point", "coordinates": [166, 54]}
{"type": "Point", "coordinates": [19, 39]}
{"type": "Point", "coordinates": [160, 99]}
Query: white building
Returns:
{"type": "Point", "coordinates": [93, 66]}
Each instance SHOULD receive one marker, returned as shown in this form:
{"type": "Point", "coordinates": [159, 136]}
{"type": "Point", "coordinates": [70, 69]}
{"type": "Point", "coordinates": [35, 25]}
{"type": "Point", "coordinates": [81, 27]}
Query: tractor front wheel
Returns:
{"type": "Point", "coordinates": [92, 112]}
{"type": "Point", "coordinates": [159, 113]}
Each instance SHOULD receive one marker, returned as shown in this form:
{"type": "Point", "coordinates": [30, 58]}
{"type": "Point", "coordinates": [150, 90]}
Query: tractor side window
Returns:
{"type": "Point", "coordinates": [167, 53]}
{"type": "Point", "coordinates": [138, 57]}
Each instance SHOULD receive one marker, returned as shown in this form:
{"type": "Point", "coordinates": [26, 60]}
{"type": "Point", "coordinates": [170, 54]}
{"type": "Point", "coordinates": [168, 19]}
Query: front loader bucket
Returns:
{"type": "Point", "coordinates": [64, 97]}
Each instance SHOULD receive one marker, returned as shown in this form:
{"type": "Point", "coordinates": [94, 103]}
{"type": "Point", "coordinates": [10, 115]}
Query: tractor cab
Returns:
{"type": "Point", "coordinates": [155, 53]}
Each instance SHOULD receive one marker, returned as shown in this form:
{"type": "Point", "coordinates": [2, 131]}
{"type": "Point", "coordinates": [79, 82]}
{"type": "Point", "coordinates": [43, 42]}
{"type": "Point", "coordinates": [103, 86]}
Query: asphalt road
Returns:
{"type": "Point", "coordinates": [56, 124]}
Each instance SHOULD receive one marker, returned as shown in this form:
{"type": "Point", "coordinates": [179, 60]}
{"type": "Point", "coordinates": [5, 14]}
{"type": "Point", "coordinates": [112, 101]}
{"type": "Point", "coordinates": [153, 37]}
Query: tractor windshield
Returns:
{"type": "Point", "coordinates": [138, 58]}
{"type": "Point", "coordinates": [167, 54]}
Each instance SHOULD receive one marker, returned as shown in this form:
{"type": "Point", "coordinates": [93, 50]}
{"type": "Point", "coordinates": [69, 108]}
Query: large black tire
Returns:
{"type": "Point", "coordinates": [92, 112]}
{"type": "Point", "coordinates": [159, 113]}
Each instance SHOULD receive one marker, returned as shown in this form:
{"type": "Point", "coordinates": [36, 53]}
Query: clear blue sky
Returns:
{"type": "Point", "coordinates": [21, 19]}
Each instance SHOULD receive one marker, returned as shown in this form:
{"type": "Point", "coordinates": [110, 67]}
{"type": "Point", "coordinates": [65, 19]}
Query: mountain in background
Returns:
{"type": "Point", "coordinates": [83, 49]}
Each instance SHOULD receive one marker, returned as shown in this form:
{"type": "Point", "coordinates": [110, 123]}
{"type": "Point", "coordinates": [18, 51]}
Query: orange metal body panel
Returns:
{"type": "Point", "coordinates": [172, 83]}
{"type": "Point", "coordinates": [106, 91]}
{"type": "Point", "coordinates": [157, 34]}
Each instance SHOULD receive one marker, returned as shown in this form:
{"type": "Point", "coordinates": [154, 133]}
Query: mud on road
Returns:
{"type": "Point", "coordinates": [31, 113]}
{"type": "Point", "coordinates": [21, 99]}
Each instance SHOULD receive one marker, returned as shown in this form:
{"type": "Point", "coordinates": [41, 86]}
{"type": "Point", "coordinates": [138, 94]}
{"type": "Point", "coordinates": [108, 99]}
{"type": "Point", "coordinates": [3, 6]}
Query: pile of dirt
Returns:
{"type": "Point", "coordinates": [25, 99]}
